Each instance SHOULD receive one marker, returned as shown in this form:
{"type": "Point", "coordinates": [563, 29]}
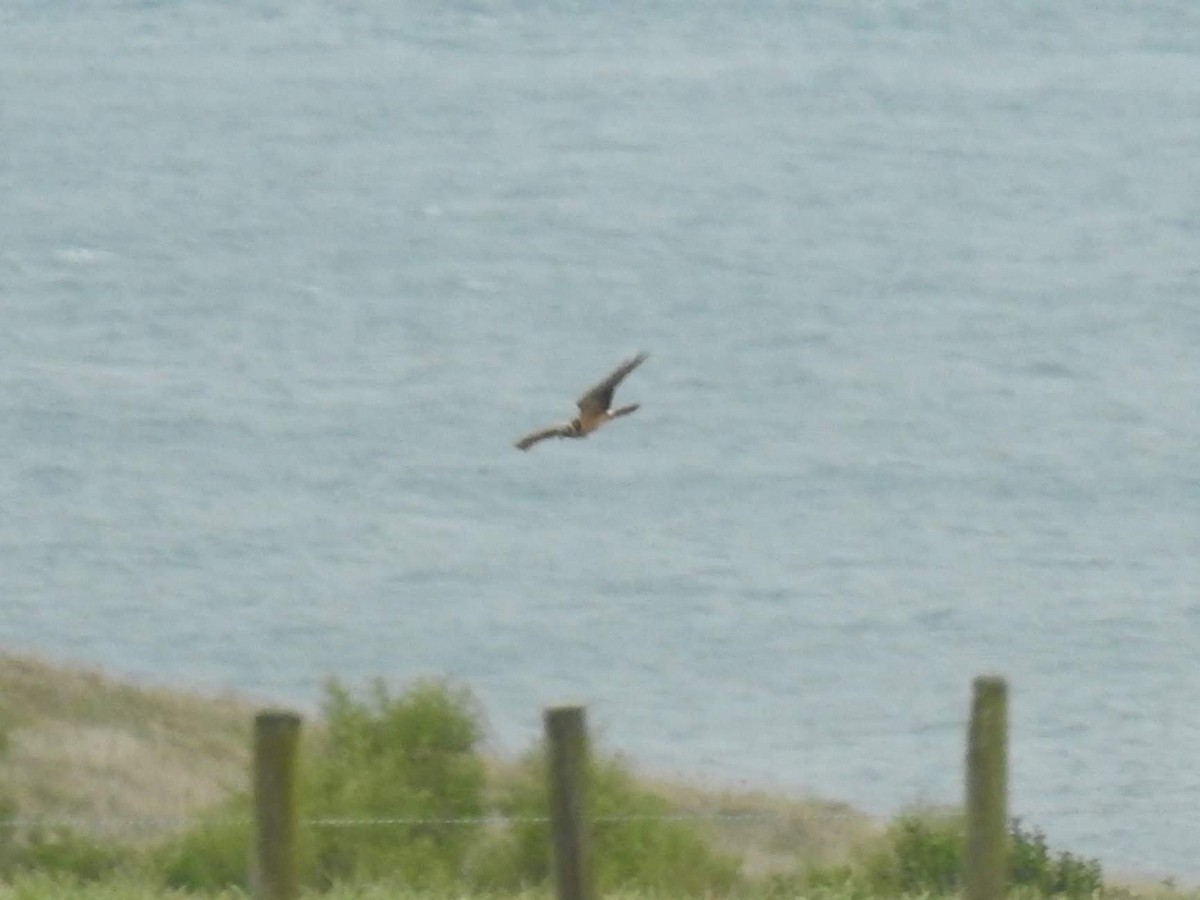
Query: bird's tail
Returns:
{"type": "Point", "coordinates": [624, 410]}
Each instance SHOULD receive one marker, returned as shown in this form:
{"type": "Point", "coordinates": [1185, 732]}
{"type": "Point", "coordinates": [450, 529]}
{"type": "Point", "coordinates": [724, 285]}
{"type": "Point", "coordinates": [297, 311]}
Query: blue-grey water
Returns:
{"type": "Point", "coordinates": [281, 282]}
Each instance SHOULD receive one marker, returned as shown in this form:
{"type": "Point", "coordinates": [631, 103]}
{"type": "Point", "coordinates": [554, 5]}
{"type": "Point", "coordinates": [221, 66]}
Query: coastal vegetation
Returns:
{"type": "Point", "coordinates": [110, 791]}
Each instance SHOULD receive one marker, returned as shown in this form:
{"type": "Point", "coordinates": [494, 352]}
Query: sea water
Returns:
{"type": "Point", "coordinates": [280, 283]}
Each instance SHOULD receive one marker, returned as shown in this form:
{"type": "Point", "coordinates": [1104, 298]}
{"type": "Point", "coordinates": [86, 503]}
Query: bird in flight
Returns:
{"type": "Point", "coordinates": [594, 408]}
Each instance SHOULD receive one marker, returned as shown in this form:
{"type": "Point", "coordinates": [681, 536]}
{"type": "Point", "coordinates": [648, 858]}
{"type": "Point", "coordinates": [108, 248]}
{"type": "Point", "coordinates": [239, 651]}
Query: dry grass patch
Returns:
{"type": "Point", "coordinates": [78, 743]}
{"type": "Point", "coordinates": [772, 833]}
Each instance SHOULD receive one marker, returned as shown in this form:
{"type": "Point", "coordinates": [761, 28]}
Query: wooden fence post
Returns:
{"type": "Point", "coordinates": [567, 764]}
{"type": "Point", "coordinates": [276, 737]}
{"type": "Point", "coordinates": [985, 866]}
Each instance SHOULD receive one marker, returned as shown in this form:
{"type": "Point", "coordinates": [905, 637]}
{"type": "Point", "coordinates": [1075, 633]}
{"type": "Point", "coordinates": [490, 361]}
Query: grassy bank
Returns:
{"type": "Point", "coordinates": [77, 743]}
{"type": "Point", "coordinates": [80, 744]}
{"type": "Point", "coordinates": [154, 783]}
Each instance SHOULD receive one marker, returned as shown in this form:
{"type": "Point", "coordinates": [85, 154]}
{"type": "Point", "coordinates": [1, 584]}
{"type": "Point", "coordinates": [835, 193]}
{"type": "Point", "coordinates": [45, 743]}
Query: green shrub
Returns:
{"type": "Point", "coordinates": [922, 854]}
{"type": "Point", "coordinates": [1061, 874]}
{"type": "Point", "coordinates": [213, 855]}
{"type": "Point", "coordinates": [633, 845]}
{"type": "Point", "coordinates": [414, 756]}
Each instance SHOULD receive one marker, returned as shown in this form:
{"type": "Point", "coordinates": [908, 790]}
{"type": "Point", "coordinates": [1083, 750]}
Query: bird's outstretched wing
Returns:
{"type": "Point", "coordinates": [599, 398]}
{"type": "Point", "coordinates": [532, 438]}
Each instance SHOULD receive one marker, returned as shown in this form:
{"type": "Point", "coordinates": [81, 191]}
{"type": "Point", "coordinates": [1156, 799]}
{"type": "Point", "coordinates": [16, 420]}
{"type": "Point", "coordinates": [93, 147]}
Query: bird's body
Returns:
{"type": "Point", "coordinates": [594, 408]}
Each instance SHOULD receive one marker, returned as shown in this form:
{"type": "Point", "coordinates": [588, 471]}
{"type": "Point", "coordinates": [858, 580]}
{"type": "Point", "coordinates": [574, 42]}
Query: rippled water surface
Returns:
{"type": "Point", "coordinates": [280, 283]}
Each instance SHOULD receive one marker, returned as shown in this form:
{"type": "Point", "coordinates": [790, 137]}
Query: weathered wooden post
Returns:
{"type": "Point", "coordinates": [276, 737]}
{"type": "Point", "coordinates": [985, 866]}
{"type": "Point", "coordinates": [567, 764]}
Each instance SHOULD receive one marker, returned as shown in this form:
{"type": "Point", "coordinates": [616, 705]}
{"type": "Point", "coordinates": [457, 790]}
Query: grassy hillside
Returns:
{"type": "Point", "coordinates": [78, 743]}
{"type": "Point", "coordinates": [81, 744]}
{"type": "Point", "coordinates": [131, 764]}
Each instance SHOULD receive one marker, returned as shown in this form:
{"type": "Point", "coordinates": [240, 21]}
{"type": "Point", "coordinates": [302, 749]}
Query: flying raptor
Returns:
{"type": "Point", "coordinates": [594, 408]}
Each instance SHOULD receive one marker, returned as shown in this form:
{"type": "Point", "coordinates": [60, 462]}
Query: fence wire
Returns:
{"type": "Point", "coordinates": [176, 823]}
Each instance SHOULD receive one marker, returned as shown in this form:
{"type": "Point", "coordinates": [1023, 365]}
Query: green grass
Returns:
{"type": "Point", "coordinates": [43, 888]}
